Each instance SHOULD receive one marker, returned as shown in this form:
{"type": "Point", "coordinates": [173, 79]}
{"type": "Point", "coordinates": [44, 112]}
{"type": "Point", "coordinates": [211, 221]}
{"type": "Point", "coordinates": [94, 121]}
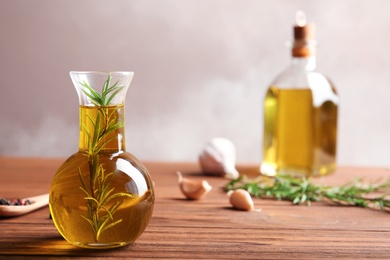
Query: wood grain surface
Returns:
{"type": "Point", "coordinates": [207, 228]}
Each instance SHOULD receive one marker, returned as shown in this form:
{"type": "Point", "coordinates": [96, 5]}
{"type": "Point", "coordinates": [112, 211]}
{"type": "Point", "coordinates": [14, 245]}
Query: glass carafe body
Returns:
{"type": "Point", "coordinates": [101, 196]}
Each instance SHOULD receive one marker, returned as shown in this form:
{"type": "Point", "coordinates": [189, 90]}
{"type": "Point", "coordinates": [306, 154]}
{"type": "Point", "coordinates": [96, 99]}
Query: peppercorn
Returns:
{"type": "Point", "coordinates": [15, 202]}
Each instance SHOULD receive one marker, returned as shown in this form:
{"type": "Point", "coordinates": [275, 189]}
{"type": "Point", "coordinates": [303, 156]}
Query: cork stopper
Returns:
{"type": "Point", "coordinates": [304, 37]}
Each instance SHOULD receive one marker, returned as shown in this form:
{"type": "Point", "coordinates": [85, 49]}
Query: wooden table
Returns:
{"type": "Point", "coordinates": [204, 229]}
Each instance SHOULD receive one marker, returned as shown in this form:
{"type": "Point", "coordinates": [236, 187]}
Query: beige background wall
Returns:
{"type": "Point", "coordinates": [201, 70]}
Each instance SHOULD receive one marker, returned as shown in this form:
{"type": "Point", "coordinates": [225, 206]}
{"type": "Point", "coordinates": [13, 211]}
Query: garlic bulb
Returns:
{"type": "Point", "coordinates": [219, 158]}
{"type": "Point", "coordinates": [241, 199]}
{"type": "Point", "coordinates": [193, 189]}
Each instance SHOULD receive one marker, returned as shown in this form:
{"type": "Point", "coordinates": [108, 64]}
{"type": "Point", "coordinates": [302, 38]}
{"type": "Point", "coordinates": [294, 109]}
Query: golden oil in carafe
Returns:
{"type": "Point", "coordinates": [101, 198]}
{"type": "Point", "coordinates": [69, 203]}
{"type": "Point", "coordinates": [299, 137]}
{"type": "Point", "coordinates": [114, 140]}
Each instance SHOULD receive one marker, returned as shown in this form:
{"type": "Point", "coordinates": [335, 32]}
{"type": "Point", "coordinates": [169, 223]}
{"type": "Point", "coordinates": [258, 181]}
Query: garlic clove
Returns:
{"type": "Point", "coordinates": [219, 158]}
{"type": "Point", "coordinates": [193, 189]}
{"type": "Point", "coordinates": [241, 199]}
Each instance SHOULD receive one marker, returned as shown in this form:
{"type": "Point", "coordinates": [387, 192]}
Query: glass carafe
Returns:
{"type": "Point", "coordinates": [101, 196]}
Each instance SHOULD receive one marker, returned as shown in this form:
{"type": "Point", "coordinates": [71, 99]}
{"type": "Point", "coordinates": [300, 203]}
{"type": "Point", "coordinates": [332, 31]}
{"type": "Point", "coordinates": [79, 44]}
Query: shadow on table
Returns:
{"type": "Point", "coordinates": [50, 246]}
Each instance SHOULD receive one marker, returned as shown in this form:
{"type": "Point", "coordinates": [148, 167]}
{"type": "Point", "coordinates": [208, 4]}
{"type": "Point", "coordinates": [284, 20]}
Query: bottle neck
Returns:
{"type": "Point", "coordinates": [308, 63]}
{"type": "Point", "coordinates": [102, 129]}
{"type": "Point", "coordinates": [303, 54]}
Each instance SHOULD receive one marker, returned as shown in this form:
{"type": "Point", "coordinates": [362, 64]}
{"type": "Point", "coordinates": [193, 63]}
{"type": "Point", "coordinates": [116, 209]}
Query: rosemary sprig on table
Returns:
{"type": "Point", "coordinates": [302, 190]}
{"type": "Point", "coordinates": [98, 191]}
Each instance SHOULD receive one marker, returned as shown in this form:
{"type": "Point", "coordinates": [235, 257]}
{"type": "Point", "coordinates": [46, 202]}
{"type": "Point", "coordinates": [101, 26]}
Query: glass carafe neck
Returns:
{"type": "Point", "coordinates": [102, 129]}
{"type": "Point", "coordinates": [102, 98]}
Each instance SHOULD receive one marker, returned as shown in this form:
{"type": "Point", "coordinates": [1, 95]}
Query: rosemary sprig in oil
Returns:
{"type": "Point", "coordinates": [303, 191]}
{"type": "Point", "coordinates": [99, 195]}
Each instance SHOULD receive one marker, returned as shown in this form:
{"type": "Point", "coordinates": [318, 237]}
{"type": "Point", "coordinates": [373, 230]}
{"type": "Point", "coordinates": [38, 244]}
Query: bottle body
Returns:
{"type": "Point", "coordinates": [300, 123]}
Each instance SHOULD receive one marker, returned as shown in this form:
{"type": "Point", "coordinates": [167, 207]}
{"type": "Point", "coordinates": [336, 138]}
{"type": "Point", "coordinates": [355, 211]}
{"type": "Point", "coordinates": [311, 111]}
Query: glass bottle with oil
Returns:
{"type": "Point", "coordinates": [300, 114]}
{"type": "Point", "coordinates": [101, 196]}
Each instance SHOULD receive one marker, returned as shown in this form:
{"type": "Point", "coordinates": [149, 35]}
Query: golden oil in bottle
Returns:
{"type": "Point", "coordinates": [299, 138]}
